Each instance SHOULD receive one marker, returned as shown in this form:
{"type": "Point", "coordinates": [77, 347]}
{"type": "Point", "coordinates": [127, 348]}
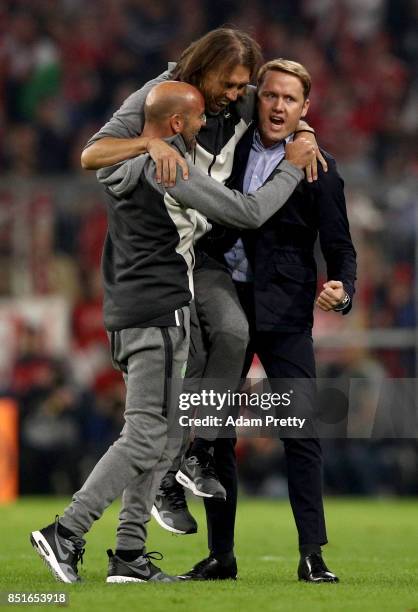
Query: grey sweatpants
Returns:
{"type": "Point", "coordinates": [219, 338]}
{"type": "Point", "coordinates": [153, 360]}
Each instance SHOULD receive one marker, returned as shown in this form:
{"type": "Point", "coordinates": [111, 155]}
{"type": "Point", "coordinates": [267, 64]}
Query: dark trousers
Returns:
{"type": "Point", "coordinates": [290, 356]}
{"type": "Point", "coordinates": [220, 515]}
{"type": "Point", "coordinates": [219, 339]}
{"type": "Point", "coordinates": [221, 317]}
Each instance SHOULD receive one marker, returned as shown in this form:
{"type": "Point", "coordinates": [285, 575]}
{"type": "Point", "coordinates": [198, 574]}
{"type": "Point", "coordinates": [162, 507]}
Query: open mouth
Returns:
{"type": "Point", "coordinates": [279, 121]}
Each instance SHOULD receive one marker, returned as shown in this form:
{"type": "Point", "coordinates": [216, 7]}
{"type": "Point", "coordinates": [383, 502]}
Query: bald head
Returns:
{"type": "Point", "coordinates": [173, 108]}
{"type": "Point", "coordinates": [170, 98]}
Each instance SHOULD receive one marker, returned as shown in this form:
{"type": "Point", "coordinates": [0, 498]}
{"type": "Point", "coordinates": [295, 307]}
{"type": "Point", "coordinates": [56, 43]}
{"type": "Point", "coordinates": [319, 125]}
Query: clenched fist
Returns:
{"type": "Point", "coordinates": [331, 296]}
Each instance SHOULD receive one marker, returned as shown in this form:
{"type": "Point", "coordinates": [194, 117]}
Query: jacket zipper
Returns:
{"type": "Point", "coordinates": [218, 129]}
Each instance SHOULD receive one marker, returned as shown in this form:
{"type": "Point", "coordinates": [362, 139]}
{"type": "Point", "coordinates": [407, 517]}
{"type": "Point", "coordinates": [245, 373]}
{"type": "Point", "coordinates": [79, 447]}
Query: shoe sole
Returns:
{"type": "Point", "coordinates": [161, 523]}
{"type": "Point", "coordinates": [188, 578]}
{"type": "Point", "coordinates": [47, 555]}
{"type": "Point", "coordinates": [122, 579]}
{"type": "Point", "coordinates": [319, 581]}
{"type": "Point", "coordinates": [126, 579]}
{"type": "Point", "coordinates": [187, 482]}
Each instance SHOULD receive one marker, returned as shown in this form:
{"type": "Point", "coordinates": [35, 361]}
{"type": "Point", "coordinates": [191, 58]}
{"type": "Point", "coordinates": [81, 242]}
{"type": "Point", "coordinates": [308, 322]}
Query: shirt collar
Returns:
{"type": "Point", "coordinates": [258, 145]}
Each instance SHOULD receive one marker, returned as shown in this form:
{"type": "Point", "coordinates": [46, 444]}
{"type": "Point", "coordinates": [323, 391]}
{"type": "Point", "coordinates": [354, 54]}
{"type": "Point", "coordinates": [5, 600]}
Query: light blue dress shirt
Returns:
{"type": "Point", "coordinates": [261, 163]}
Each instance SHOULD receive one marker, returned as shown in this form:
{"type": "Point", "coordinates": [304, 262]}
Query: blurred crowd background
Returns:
{"type": "Point", "coordinates": [65, 67]}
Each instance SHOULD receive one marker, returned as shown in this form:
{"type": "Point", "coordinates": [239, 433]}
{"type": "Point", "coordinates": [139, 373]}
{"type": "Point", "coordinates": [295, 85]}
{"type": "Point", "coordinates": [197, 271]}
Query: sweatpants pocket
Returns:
{"type": "Point", "coordinates": [115, 340]}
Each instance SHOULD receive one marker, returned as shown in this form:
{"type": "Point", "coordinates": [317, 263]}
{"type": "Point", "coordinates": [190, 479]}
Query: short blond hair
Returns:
{"type": "Point", "coordinates": [290, 67]}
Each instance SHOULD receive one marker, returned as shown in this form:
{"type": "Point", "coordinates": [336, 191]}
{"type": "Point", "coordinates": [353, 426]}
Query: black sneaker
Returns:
{"type": "Point", "coordinates": [312, 568]}
{"type": "Point", "coordinates": [198, 474]}
{"type": "Point", "coordinates": [170, 508]}
{"type": "Point", "coordinates": [61, 555]}
{"type": "Point", "coordinates": [140, 570]}
{"type": "Point", "coordinates": [212, 569]}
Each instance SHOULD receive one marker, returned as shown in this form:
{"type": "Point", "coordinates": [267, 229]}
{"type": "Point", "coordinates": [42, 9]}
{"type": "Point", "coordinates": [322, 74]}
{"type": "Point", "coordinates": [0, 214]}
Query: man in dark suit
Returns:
{"type": "Point", "coordinates": [275, 274]}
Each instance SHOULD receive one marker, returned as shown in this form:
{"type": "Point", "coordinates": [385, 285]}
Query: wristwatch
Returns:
{"type": "Point", "coordinates": [343, 304]}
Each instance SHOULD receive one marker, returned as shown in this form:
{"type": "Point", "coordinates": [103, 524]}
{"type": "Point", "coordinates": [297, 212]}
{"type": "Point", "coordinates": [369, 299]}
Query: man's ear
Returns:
{"type": "Point", "coordinates": [177, 123]}
{"type": "Point", "coordinates": [305, 108]}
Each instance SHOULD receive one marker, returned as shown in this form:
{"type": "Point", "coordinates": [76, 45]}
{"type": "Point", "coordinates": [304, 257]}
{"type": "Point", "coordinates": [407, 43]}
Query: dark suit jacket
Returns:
{"type": "Point", "coordinates": [281, 252]}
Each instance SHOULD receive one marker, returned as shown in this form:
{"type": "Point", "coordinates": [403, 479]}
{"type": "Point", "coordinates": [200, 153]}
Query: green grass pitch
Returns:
{"type": "Point", "coordinates": [373, 548]}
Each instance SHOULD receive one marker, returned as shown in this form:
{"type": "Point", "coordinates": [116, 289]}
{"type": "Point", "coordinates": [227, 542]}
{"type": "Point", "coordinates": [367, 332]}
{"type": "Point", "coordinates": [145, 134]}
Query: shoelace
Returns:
{"type": "Point", "coordinates": [208, 468]}
{"type": "Point", "coordinates": [76, 547]}
{"type": "Point", "coordinates": [174, 492]}
{"type": "Point", "coordinates": [78, 556]}
{"type": "Point", "coordinates": [154, 554]}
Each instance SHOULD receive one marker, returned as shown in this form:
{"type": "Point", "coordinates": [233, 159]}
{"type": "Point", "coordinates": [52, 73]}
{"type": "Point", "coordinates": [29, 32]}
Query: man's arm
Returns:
{"type": "Point", "coordinates": [233, 209]}
{"type": "Point", "coordinates": [119, 139]}
{"type": "Point", "coordinates": [109, 151]}
{"type": "Point", "coordinates": [335, 240]}
{"type": "Point", "coordinates": [304, 130]}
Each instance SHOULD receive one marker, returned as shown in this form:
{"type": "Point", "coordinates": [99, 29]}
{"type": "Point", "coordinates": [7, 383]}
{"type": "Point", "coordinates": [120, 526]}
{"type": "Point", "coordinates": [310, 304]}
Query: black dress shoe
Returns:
{"type": "Point", "coordinates": [313, 569]}
{"type": "Point", "coordinates": [212, 569]}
